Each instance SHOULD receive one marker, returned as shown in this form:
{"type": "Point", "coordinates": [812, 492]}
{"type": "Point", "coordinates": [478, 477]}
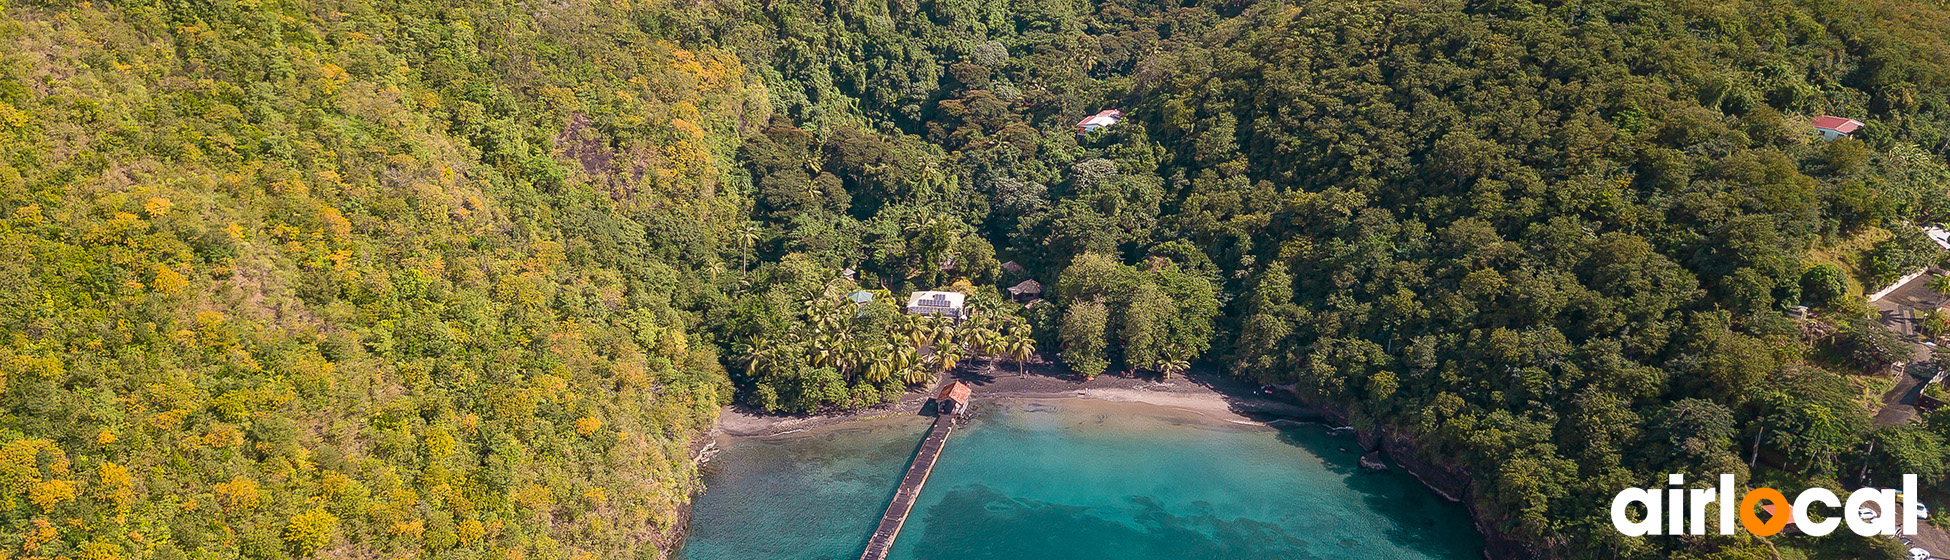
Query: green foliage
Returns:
{"type": "Point", "coordinates": [1824, 284]}
{"type": "Point", "coordinates": [460, 275]}
{"type": "Point", "coordinates": [294, 279]}
{"type": "Point", "coordinates": [1908, 449]}
{"type": "Point", "coordinates": [1869, 346]}
{"type": "Point", "coordinates": [1906, 252]}
{"type": "Point", "coordinates": [1084, 332]}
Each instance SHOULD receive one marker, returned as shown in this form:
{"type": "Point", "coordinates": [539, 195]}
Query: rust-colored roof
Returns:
{"type": "Point", "coordinates": [956, 391]}
{"type": "Point", "coordinates": [1837, 124]}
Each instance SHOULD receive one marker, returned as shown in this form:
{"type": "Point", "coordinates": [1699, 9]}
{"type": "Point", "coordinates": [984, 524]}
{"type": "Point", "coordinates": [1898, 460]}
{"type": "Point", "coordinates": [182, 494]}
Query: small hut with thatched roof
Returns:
{"type": "Point", "coordinates": [1027, 290]}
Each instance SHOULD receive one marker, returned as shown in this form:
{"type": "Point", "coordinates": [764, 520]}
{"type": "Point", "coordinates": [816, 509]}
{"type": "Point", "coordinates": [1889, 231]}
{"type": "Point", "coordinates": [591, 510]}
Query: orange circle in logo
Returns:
{"type": "Point", "coordinates": [1752, 522]}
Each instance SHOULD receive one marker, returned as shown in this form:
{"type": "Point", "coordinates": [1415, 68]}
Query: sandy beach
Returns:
{"type": "Point", "coordinates": [1201, 390]}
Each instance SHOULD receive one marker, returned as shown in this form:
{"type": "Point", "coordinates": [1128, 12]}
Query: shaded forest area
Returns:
{"type": "Point", "coordinates": [422, 278]}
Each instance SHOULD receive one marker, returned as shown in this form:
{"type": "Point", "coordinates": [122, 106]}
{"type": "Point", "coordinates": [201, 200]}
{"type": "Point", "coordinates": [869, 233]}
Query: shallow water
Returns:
{"type": "Point", "coordinates": [1072, 479]}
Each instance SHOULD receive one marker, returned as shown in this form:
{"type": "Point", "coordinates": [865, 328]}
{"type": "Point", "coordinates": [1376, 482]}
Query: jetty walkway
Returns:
{"type": "Point", "coordinates": [917, 475]}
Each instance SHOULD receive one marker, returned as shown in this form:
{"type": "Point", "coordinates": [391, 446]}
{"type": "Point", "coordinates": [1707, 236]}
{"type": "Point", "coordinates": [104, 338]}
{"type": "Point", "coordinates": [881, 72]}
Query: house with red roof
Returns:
{"type": "Point", "coordinates": [1102, 119]}
{"type": "Point", "coordinates": [1835, 127]}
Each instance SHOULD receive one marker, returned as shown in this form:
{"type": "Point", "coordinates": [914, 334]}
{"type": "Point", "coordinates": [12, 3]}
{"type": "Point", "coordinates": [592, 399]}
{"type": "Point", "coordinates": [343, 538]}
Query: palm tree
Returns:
{"type": "Point", "coordinates": [1172, 366]}
{"type": "Point", "coordinates": [1020, 347]}
{"type": "Point", "coordinates": [916, 332]}
{"type": "Point", "coordinates": [879, 365]}
{"type": "Point", "coordinates": [747, 236]}
{"type": "Point", "coordinates": [942, 334]}
{"type": "Point", "coordinates": [761, 358]}
{"type": "Point", "coordinates": [824, 314]}
{"type": "Point", "coordinates": [824, 352]}
{"type": "Point", "coordinates": [947, 356]}
{"type": "Point", "coordinates": [980, 338]}
{"type": "Point", "coordinates": [1940, 284]}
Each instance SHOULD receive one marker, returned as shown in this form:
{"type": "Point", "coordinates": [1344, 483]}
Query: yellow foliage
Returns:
{"type": "Point", "coordinates": [588, 425]}
{"type": "Point", "coordinates": [18, 366]}
{"type": "Point", "coordinates": [49, 493]}
{"type": "Point", "coordinates": [550, 387]}
{"type": "Point", "coordinates": [548, 254]}
{"type": "Point", "coordinates": [440, 444]}
{"type": "Point", "coordinates": [413, 528]}
{"type": "Point", "coordinates": [335, 222]}
{"type": "Point", "coordinates": [686, 128]}
{"type": "Point", "coordinates": [30, 213]}
{"type": "Point", "coordinates": [42, 533]}
{"type": "Point", "coordinates": [239, 494]}
{"type": "Point", "coordinates": [117, 483]}
{"type": "Point", "coordinates": [535, 496]}
{"type": "Point", "coordinates": [222, 436]}
{"type": "Point", "coordinates": [105, 437]}
{"type": "Point", "coordinates": [169, 420]}
{"type": "Point", "coordinates": [470, 531]}
{"type": "Point", "coordinates": [309, 531]}
{"type": "Point", "coordinates": [156, 206]}
{"type": "Point", "coordinates": [98, 550]}
{"type": "Point", "coordinates": [168, 281]}
{"type": "Point", "coordinates": [12, 118]}
{"type": "Point", "coordinates": [21, 468]}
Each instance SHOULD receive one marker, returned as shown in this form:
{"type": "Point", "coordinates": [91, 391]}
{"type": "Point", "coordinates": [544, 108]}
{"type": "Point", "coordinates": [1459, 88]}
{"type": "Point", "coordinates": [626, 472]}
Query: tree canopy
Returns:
{"type": "Point", "coordinates": [298, 277]}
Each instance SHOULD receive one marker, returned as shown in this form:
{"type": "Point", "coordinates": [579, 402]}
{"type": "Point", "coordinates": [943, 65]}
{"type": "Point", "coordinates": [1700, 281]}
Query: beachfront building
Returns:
{"type": "Point", "coordinates": [940, 304]}
{"type": "Point", "coordinates": [952, 400]}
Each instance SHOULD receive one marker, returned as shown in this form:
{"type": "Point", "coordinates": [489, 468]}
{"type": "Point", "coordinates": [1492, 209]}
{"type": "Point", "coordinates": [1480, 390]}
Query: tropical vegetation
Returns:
{"type": "Point", "coordinates": [360, 278]}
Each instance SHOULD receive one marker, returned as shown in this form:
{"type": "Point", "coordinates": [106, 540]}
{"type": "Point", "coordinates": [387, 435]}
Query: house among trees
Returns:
{"type": "Point", "coordinates": [1835, 127]}
{"type": "Point", "coordinates": [945, 304]}
{"type": "Point", "coordinates": [1939, 236]}
{"type": "Point", "coordinates": [1100, 120]}
{"type": "Point", "coordinates": [861, 297]}
{"type": "Point", "coordinates": [1013, 267]}
{"type": "Point", "coordinates": [1026, 291]}
{"type": "Point", "coordinates": [953, 399]}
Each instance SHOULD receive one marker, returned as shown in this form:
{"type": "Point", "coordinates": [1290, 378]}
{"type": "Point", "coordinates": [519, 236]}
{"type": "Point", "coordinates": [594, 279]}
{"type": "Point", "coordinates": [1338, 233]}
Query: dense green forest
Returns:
{"type": "Point", "coordinates": [424, 278]}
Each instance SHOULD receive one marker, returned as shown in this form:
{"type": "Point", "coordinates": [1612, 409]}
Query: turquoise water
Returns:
{"type": "Point", "coordinates": [1072, 479]}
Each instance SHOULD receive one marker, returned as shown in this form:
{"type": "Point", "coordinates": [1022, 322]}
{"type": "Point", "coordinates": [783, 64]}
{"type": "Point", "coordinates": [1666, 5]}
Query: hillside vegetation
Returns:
{"type": "Point", "coordinates": [352, 279]}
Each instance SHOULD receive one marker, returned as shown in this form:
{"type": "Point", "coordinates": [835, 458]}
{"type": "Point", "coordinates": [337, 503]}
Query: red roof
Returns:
{"type": "Point", "coordinates": [1837, 124]}
{"type": "Point", "coordinates": [1105, 117]}
{"type": "Point", "coordinates": [956, 391]}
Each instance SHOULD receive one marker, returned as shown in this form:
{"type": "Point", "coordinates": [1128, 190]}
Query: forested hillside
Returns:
{"type": "Point", "coordinates": [427, 278]}
{"type": "Point", "coordinates": [355, 280]}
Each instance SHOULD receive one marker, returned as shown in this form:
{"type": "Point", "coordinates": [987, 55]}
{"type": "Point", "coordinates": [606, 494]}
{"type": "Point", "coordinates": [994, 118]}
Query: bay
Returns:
{"type": "Point", "coordinates": [1072, 479]}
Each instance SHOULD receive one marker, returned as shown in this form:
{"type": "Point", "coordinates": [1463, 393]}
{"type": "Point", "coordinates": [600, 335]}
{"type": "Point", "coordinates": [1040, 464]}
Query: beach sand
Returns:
{"type": "Point", "coordinates": [1201, 390]}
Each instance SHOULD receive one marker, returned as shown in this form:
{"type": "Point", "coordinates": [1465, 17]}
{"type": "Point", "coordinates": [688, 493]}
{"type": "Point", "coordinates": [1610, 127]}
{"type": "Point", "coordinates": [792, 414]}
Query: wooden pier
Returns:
{"type": "Point", "coordinates": [910, 489]}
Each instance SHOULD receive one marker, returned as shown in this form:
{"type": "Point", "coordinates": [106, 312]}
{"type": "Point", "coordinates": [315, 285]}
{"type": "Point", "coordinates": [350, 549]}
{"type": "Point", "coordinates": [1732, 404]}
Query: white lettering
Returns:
{"type": "Point", "coordinates": [1810, 497]}
{"type": "Point", "coordinates": [1885, 501]}
{"type": "Point", "coordinates": [1649, 499]}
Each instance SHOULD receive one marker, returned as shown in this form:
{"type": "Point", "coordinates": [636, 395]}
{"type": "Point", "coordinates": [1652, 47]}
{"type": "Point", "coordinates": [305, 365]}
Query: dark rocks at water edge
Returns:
{"type": "Point", "coordinates": [1372, 462]}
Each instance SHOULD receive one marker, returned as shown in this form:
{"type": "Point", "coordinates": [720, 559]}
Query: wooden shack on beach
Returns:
{"type": "Point", "coordinates": [953, 399]}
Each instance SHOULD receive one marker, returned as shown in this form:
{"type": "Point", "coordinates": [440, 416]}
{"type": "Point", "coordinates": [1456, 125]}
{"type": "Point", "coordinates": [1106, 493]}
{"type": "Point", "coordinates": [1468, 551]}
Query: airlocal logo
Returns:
{"type": "Point", "coordinates": [1674, 510]}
